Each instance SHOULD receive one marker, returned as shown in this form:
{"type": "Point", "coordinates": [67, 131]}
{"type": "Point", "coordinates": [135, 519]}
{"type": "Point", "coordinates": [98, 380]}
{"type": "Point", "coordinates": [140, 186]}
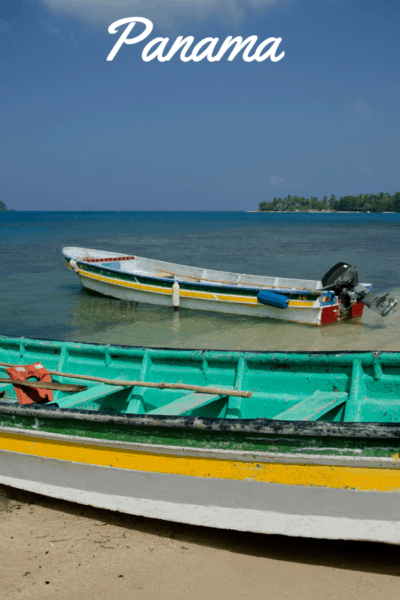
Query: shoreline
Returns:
{"type": "Point", "coordinates": [326, 212]}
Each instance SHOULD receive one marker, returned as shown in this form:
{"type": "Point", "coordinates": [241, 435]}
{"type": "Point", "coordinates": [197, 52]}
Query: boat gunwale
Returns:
{"type": "Point", "coordinates": [375, 353]}
{"type": "Point", "coordinates": [100, 266]}
{"type": "Point", "coordinates": [239, 455]}
{"type": "Point", "coordinates": [370, 430]}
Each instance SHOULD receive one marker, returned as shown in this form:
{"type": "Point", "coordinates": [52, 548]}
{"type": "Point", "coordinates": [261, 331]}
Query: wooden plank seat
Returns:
{"type": "Point", "coordinates": [93, 393]}
{"type": "Point", "coordinates": [185, 404]}
{"type": "Point", "coordinates": [313, 407]}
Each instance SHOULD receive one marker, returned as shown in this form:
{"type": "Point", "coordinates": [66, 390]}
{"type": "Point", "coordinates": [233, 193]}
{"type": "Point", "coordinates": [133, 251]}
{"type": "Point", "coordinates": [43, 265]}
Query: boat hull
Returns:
{"type": "Point", "coordinates": [302, 444]}
{"type": "Point", "coordinates": [307, 315]}
{"type": "Point", "coordinates": [231, 491]}
{"type": "Point", "coordinates": [149, 281]}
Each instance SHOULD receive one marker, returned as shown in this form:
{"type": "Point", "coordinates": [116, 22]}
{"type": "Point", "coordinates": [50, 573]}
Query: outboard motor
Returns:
{"type": "Point", "coordinates": [343, 280]}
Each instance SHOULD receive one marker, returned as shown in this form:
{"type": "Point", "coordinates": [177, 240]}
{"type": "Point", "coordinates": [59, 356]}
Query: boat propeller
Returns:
{"type": "Point", "coordinates": [343, 280]}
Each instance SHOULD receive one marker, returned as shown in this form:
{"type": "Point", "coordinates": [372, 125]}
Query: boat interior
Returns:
{"type": "Point", "coordinates": [137, 265]}
{"type": "Point", "coordinates": [343, 387]}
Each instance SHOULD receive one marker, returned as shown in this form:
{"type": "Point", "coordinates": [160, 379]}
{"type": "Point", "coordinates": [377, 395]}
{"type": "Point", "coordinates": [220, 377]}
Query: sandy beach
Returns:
{"type": "Point", "coordinates": [56, 549]}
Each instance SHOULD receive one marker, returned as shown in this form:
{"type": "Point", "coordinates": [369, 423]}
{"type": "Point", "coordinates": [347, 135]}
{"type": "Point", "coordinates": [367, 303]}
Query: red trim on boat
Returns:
{"type": "Point", "coordinates": [329, 314]}
{"type": "Point", "coordinates": [356, 310]}
{"type": "Point", "coordinates": [108, 259]}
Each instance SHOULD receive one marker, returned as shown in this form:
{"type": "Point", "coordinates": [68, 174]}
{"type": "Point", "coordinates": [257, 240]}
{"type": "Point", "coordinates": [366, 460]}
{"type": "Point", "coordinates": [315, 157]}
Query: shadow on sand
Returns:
{"type": "Point", "coordinates": [365, 557]}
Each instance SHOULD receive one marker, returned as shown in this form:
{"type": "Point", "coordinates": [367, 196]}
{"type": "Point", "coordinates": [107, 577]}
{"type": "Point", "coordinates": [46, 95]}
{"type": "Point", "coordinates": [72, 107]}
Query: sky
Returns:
{"type": "Point", "coordinates": [78, 132]}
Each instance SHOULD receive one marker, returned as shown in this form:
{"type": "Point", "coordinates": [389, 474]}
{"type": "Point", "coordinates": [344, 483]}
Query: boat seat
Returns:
{"type": "Point", "coordinates": [93, 393]}
{"type": "Point", "coordinates": [165, 274]}
{"type": "Point", "coordinates": [185, 404]}
{"type": "Point", "coordinates": [313, 407]}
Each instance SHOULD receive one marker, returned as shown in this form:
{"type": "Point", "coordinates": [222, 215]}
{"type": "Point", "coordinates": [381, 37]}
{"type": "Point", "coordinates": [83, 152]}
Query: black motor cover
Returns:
{"type": "Point", "coordinates": [338, 275]}
{"type": "Point", "coordinates": [342, 278]}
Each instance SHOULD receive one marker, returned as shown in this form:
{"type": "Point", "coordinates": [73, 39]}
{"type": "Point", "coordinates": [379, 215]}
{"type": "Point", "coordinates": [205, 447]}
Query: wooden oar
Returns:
{"type": "Point", "coordinates": [43, 385]}
{"type": "Point", "coordinates": [230, 282]}
{"type": "Point", "coordinates": [160, 386]}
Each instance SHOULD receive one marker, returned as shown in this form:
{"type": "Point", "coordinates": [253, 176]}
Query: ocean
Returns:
{"type": "Point", "coordinates": [41, 298]}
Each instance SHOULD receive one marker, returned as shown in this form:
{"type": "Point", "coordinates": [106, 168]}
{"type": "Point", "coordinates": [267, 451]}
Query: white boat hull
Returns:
{"type": "Point", "coordinates": [259, 507]}
{"type": "Point", "coordinates": [310, 316]}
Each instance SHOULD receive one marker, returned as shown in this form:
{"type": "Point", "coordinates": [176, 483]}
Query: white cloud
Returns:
{"type": "Point", "coordinates": [275, 180]}
{"type": "Point", "coordinates": [160, 11]}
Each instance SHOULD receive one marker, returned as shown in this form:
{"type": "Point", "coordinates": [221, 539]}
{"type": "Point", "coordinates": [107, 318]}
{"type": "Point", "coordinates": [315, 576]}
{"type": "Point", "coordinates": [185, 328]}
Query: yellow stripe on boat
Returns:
{"type": "Point", "coordinates": [168, 291]}
{"type": "Point", "coordinates": [144, 287]}
{"type": "Point", "coordinates": [301, 304]}
{"type": "Point", "coordinates": [339, 477]}
{"type": "Point", "coordinates": [186, 293]}
{"type": "Point", "coordinates": [228, 298]}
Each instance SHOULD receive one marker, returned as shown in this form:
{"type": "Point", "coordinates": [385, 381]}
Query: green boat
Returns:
{"type": "Point", "coordinates": [301, 444]}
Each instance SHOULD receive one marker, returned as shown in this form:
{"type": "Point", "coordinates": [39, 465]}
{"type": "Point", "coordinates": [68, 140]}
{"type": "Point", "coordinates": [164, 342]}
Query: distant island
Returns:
{"type": "Point", "coordinates": [3, 208]}
{"type": "Point", "coordinates": [376, 203]}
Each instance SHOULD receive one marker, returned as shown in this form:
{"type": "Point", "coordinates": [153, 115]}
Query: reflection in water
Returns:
{"type": "Point", "coordinates": [99, 319]}
{"type": "Point", "coordinates": [176, 323]}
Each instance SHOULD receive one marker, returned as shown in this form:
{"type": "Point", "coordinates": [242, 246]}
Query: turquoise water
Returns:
{"type": "Point", "coordinates": [41, 298]}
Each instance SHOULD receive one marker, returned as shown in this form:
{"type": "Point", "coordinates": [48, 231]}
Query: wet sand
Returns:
{"type": "Point", "coordinates": [56, 549]}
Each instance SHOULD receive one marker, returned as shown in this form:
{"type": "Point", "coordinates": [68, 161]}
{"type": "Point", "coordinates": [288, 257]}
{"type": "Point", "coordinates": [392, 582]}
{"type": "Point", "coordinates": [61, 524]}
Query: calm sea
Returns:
{"type": "Point", "coordinates": [41, 298]}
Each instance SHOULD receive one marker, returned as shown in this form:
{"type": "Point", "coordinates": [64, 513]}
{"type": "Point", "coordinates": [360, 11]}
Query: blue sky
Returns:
{"type": "Point", "coordinates": [80, 133]}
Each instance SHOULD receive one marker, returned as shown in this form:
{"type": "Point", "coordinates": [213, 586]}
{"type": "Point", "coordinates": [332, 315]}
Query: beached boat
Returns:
{"type": "Point", "coordinates": [301, 444]}
{"type": "Point", "coordinates": [336, 297]}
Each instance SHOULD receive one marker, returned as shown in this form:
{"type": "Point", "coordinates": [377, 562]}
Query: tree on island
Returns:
{"type": "Point", "coordinates": [3, 208]}
{"type": "Point", "coordinates": [362, 203]}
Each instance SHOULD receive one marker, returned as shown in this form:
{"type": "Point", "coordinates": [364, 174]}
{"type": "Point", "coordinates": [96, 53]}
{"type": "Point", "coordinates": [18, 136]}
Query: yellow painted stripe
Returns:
{"type": "Point", "coordinates": [301, 303]}
{"type": "Point", "coordinates": [186, 293]}
{"type": "Point", "coordinates": [241, 299]}
{"type": "Point", "coordinates": [192, 294]}
{"type": "Point", "coordinates": [160, 290]}
{"type": "Point", "coordinates": [359, 478]}
{"type": "Point", "coordinates": [145, 287]}
{"type": "Point", "coordinates": [129, 284]}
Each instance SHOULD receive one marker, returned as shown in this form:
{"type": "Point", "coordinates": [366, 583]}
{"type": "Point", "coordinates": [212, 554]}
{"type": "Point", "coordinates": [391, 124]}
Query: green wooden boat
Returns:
{"type": "Point", "coordinates": [302, 444]}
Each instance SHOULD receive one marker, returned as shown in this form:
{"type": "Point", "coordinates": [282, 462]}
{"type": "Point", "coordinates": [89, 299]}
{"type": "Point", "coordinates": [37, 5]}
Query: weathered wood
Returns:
{"type": "Point", "coordinates": [160, 386]}
{"type": "Point", "coordinates": [42, 385]}
{"type": "Point", "coordinates": [229, 282]}
{"type": "Point", "coordinates": [313, 429]}
{"type": "Point", "coordinates": [149, 384]}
